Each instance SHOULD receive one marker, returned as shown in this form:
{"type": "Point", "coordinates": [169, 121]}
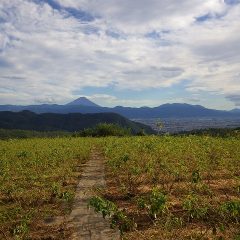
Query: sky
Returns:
{"type": "Point", "coordinates": [120, 52]}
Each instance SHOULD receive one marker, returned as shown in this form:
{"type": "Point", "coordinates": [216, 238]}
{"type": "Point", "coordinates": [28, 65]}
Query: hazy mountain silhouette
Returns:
{"type": "Point", "coordinates": [235, 110]}
{"type": "Point", "coordinates": [83, 105]}
{"type": "Point", "coordinates": [82, 101]}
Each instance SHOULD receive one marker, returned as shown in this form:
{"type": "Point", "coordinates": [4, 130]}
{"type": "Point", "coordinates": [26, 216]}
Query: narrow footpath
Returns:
{"type": "Point", "coordinates": [83, 221]}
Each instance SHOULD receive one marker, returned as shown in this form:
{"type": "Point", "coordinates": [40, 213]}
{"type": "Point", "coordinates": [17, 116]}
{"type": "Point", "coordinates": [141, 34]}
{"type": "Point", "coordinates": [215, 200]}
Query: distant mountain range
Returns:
{"type": "Point", "coordinates": [26, 120]}
{"type": "Point", "coordinates": [83, 105]}
{"type": "Point", "coordinates": [235, 110]}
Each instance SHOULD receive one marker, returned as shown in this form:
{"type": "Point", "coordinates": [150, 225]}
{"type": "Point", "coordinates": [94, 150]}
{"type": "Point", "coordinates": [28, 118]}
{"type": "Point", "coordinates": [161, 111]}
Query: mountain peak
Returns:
{"type": "Point", "coordinates": [83, 101]}
{"type": "Point", "coordinates": [235, 110]}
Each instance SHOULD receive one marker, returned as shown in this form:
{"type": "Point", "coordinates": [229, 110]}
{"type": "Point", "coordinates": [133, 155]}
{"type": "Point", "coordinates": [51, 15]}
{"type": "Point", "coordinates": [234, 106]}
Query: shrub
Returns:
{"type": "Point", "coordinates": [105, 129]}
{"type": "Point", "coordinates": [118, 218]}
{"type": "Point", "coordinates": [156, 204]}
{"type": "Point", "coordinates": [231, 209]}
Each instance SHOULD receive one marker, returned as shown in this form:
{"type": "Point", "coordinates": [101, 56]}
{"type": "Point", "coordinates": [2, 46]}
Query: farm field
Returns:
{"type": "Point", "coordinates": [175, 187]}
{"type": "Point", "coordinates": [166, 187]}
{"type": "Point", "coordinates": [37, 183]}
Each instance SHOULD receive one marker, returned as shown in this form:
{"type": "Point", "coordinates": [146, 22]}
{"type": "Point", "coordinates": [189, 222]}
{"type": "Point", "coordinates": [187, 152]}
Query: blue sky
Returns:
{"type": "Point", "coordinates": [120, 52]}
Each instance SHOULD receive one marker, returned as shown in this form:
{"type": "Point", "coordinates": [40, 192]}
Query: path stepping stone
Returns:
{"type": "Point", "coordinates": [84, 222]}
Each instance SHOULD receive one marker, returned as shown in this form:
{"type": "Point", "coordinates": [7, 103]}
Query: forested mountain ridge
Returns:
{"type": "Point", "coordinates": [71, 122]}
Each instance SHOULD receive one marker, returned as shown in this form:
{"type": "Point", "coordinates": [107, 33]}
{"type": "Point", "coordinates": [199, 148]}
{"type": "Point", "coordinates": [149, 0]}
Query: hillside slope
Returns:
{"type": "Point", "coordinates": [71, 122]}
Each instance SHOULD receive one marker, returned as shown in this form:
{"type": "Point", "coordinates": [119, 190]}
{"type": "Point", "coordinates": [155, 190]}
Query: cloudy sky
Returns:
{"type": "Point", "coordinates": [120, 52]}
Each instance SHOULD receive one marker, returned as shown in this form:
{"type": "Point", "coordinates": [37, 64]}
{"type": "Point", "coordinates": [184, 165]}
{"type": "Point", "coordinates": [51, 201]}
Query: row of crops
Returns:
{"type": "Point", "coordinates": [157, 187]}
{"type": "Point", "coordinates": [173, 187]}
{"type": "Point", "coordinates": [37, 180]}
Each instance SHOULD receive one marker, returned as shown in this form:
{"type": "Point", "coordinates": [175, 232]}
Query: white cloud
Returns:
{"type": "Point", "coordinates": [145, 15]}
{"type": "Point", "coordinates": [46, 55]}
{"type": "Point", "coordinates": [111, 101]}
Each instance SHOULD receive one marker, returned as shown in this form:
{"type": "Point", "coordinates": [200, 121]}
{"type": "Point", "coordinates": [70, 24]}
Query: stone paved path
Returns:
{"type": "Point", "coordinates": [84, 222]}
